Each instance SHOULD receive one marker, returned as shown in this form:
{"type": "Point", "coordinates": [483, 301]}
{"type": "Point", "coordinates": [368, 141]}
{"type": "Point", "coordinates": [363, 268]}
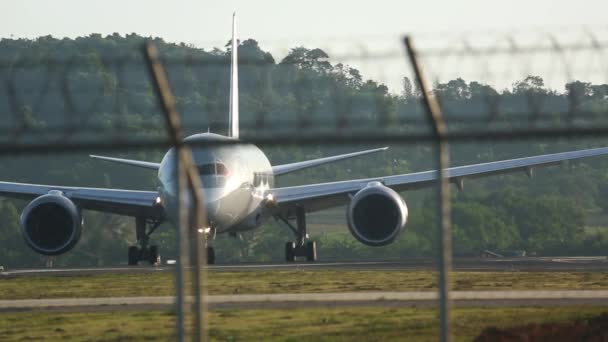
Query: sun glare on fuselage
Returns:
{"type": "Point", "coordinates": [233, 176]}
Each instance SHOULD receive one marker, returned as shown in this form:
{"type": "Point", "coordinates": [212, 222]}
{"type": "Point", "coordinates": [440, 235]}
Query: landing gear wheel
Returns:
{"type": "Point", "coordinates": [133, 255]}
{"type": "Point", "coordinates": [311, 250]}
{"type": "Point", "coordinates": [290, 251]}
{"type": "Point", "coordinates": [302, 247]}
{"type": "Point", "coordinates": [143, 251]}
{"type": "Point", "coordinates": [210, 256]}
{"type": "Point", "coordinates": [153, 256]}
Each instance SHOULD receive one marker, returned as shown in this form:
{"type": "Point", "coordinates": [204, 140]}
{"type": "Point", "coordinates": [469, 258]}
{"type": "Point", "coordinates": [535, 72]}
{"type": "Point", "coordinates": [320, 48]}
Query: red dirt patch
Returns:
{"type": "Point", "coordinates": [591, 330]}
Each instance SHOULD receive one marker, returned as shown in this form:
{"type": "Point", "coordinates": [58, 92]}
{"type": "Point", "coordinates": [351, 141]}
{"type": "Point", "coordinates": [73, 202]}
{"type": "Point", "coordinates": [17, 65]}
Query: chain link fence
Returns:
{"type": "Point", "coordinates": [93, 94]}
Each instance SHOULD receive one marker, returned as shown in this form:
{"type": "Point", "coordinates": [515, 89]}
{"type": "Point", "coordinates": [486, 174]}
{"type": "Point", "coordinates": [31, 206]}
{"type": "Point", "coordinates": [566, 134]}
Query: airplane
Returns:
{"type": "Point", "coordinates": [239, 194]}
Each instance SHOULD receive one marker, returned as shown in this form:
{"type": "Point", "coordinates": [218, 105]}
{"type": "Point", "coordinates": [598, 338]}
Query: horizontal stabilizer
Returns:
{"type": "Point", "coordinates": [144, 164]}
{"type": "Point", "coordinates": [286, 168]}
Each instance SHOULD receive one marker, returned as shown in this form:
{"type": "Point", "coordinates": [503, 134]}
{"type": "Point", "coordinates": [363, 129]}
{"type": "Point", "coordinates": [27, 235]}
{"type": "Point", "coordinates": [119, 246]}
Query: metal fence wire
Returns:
{"type": "Point", "coordinates": [448, 89]}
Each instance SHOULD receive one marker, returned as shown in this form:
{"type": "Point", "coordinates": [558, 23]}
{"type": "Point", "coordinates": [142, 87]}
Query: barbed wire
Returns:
{"type": "Point", "coordinates": [489, 86]}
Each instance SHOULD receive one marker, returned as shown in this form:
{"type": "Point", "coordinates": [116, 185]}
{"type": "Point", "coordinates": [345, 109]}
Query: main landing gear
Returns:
{"type": "Point", "coordinates": [301, 247]}
{"type": "Point", "coordinates": [143, 252]}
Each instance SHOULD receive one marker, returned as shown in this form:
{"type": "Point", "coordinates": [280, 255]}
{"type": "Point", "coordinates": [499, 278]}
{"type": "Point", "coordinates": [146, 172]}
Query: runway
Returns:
{"type": "Point", "coordinates": [523, 264]}
{"type": "Point", "coordinates": [301, 300]}
{"type": "Point", "coordinates": [384, 299]}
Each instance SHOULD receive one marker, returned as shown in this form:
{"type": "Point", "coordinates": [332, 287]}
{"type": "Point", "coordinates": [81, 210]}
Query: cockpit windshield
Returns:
{"type": "Point", "coordinates": [214, 169]}
{"type": "Point", "coordinates": [213, 174]}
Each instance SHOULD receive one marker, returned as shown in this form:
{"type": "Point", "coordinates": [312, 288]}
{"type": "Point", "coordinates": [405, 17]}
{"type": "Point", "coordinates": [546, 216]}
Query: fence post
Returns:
{"type": "Point", "coordinates": [435, 118]}
{"type": "Point", "coordinates": [188, 225]}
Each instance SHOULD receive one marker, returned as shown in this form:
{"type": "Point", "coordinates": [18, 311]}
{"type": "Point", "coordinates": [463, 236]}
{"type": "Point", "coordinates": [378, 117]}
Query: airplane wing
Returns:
{"type": "Point", "coordinates": [138, 163]}
{"type": "Point", "coordinates": [122, 202]}
{"type": "Point", "coordinates": [286, 168]}
{"type": "Point", "coordinates": [321, 196]}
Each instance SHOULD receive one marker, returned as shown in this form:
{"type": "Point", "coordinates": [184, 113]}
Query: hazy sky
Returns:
{"type": "Point", "coordinates": [200, 21]}
{"type": "Point", "coordinates": [279, 25]}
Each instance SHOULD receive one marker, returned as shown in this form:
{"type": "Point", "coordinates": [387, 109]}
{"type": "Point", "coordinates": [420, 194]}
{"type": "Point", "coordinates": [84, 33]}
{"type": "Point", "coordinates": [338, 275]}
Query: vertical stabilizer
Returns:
{"type": "Point", "coordinates": [234, 84]}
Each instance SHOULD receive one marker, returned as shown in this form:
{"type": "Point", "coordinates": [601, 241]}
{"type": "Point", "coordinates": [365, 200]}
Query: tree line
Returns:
{"type": "Point", "coordinates": [560, 211]}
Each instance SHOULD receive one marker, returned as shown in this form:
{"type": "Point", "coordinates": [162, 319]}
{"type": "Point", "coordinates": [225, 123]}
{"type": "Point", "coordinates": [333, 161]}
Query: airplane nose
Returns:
{"type": "Point", "coordinates": [212, 202]}
{"type": "Point", "coordinates": [213, 208]}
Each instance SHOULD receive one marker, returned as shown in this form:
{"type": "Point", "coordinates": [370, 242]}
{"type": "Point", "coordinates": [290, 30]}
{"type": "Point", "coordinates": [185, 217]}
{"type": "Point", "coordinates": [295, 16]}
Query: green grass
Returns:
{"type": "Point", "coordinates": [321, 324]}
{"type": "Point", "coordinates": [322, 281]}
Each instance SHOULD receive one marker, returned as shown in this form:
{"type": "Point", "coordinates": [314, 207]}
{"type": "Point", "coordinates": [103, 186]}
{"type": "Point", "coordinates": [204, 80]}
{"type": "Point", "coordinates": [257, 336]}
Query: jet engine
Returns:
{"type": "Point", "coordinates": [376, 215]}
{"type": "Point", "coordinates": [51, 224]}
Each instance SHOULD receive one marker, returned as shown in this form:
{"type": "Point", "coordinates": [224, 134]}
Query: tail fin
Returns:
{"type": "Point", "coordinates": [234, 84]}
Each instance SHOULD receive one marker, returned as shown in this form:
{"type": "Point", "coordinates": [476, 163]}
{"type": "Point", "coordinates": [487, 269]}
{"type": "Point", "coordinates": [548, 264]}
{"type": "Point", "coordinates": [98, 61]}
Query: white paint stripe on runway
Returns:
{"type": "Point", "coordinates": [285, 265]}
{"type": "Point", "coordinates": [394, 264]}
{"type": "Point", "coordinates": [78, 270]}
{"type": "Point", "coordinates": [162, 268]}
{"type": "Point", "coordinates": [310, 297]}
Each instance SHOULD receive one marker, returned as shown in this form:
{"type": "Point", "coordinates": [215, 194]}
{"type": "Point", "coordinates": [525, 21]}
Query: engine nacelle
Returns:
{"type": "Point", "coordinates": [51, 224]}
{"type": "Point", "coordinates": [376, 215]}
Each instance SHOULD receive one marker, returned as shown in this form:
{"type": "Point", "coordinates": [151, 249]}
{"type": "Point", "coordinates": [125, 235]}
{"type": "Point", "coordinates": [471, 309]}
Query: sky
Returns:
{"type": "Point", "coordinates": [362, 26]}
{"type": "Point", "coordinates": [200, 21]}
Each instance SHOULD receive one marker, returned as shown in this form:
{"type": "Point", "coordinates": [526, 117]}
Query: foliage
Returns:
{"type": "Point", "coordinates": [546, 215]}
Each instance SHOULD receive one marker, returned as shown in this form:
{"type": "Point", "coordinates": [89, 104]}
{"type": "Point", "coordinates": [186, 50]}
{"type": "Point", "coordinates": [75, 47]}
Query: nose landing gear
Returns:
{"type": "Point", "coordinates": [210, 255]}
{"type": "Point", "coordinates": [209, 235]}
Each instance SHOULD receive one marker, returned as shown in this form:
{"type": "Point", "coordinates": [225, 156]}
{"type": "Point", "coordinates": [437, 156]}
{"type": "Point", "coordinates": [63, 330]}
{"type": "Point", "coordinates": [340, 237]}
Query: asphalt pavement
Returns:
{"type": "Point", "coordinates": [299, 300]}
{"type": "Point", "coordinates": [522, 264]}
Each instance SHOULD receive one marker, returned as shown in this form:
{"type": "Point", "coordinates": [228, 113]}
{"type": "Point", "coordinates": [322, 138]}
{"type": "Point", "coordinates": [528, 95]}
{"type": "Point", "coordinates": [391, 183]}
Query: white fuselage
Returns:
{"type": "Point", "coordinates": [234, 175]}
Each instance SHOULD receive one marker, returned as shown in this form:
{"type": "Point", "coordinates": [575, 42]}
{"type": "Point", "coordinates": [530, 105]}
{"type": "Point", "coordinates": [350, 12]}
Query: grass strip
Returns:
{"type": "Point", "coordinates": [305, 281]}
{"type": "Point", "coordinates": [318, 324]}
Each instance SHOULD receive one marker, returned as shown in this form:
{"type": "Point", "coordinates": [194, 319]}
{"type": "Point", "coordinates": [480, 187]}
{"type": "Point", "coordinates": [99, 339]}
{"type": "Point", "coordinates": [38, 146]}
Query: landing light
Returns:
{"type": "Point", "coordinates": [204, 230]}
{"type": "Point", "coordinates": [158, 200]}
{"type": "Point", "coordinates": [270, 198]}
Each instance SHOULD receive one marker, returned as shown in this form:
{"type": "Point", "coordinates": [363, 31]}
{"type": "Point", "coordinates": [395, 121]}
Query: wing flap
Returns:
{"type": "Point", "coordinates": [326, 195]}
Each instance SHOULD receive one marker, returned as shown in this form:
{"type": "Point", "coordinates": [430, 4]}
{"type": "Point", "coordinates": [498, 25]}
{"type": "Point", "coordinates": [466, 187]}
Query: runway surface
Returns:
{"type": "Point", "coordinates": [289, 300]}
{"type": "Point", "coordinates": [524, 264]}
{"type": "Point", "coordinates": [384, 299]}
